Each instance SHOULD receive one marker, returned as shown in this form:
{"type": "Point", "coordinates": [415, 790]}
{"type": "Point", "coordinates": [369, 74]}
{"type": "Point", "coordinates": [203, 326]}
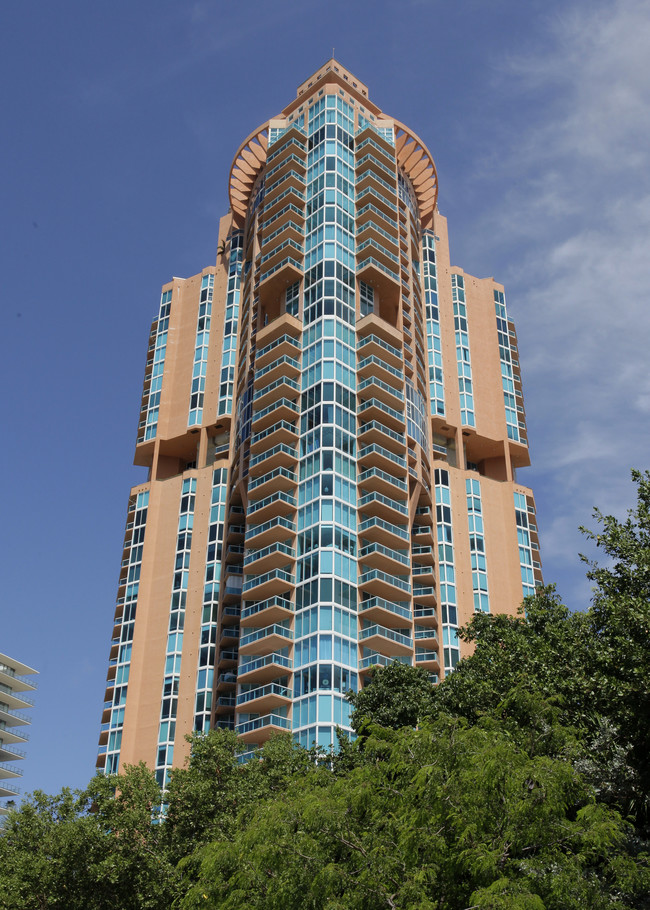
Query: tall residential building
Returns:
{"type": "Point", "coordinates": [13, 686]}
{"type": "Point", "coordinates": [332, 418]}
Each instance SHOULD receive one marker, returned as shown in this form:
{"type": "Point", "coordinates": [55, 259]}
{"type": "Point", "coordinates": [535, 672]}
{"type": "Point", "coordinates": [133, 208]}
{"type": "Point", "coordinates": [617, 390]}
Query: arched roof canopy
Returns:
{"type": "Point", "coordinates": [412, 156]}
{"type": "Point", "coordinates": [416, 161]}
{"type": "Point", "coordinates": [246, 166]}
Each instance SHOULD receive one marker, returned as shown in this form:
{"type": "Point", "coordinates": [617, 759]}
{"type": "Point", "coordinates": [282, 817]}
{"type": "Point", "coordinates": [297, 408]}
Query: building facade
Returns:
{"type": "Point", "coordinates": [332, 420]}
{"type": "Point", "coordinates": [14, 686]}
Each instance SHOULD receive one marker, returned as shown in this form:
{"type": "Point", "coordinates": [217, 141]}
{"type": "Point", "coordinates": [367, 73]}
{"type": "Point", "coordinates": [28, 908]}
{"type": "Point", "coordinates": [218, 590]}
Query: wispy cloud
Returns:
{"type": "Point", "coordinates": [576, 209]}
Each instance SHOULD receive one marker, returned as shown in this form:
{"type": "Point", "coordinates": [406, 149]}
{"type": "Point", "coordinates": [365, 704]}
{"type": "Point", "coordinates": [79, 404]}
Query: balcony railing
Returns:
{"type": "Point", "coordinates": [279, 478]}
{"type": "Point", "coordinates": [375, 263]}
{"type": "Point", "coordinates": [283, 381]}
{"type": "Point", "coordinates": [381, 660]}
{"type": "Point", "coordinates": [276, 406]}
{"type": "Point", "coordinates": [427, 593]}
{"type": "Point", "coordinates": [398, 609]}
{"type": "Point", "coordinates": [262, 691]}
{"type": "Point", "coordinates": [370, 158]}
{"type": "Point", "coordinates": [376, 363]}
{"type": "Point", "coordinates": [370, 339]}
{"type": "Point", "coordinates": [371, 193]}
{"type": "Point", "coordinates": [375, 426]}
{"type": "Point", "coordinates": [426, 657]}
{"type": "Point", "coordinates": [278, 522]}
{"type": "Point", "coordinates": [258, 581]}
{"type": "Point", "coordinates": [396, 581]}
{"type": "Point", "coordinates": [10, 748]}
{"type": "Point", "coordinates": [375, 522]}
{"type": "Point", "coordinates": [377, 473]}
{"type": "Point", "coordinates": [257, 663]}
{"type": "Point", "coordinates": [287, 243]}
{"type": "Point", "coordinates": [281, 448]}
{"type": "Point", "coordinates": [370, 208]}
{"type": "Point", "coordinates": [370, 403]}
{"type": "Point", "coordinates": [374, 449]}
{"type": "Point", "coordinates": [283, 425]}
{"type": "Point", "coordinates": [288, 159]}
{"type": "Point", "coordinates": [259, 634]}
{"type": "Point", "coordinates": [291, 191]}
{"type": "Point", "coordinates": [279, 604]}
{"type": "Point", "coordinates": [293, 209]}
{"type": "Point", "coordinates": [374, 381]}
{"type": "Point", "coordinates": [374, 245]}
{"type": "Point", "coordinates": [253, 556]}
{"type": "Point", "coordinates": [425, 614]}
{"type": "Point", "coordinates": [9, 671]}
{"type": "Point", "coordinates": [374, 497]}
{"type": "Point", "coordinates": [395, 555]}
{"type": "Point", "coordinates": [269, 720]}
{"type": "Point", "coordinates": [280, 496]}
{"type": "Point", "coordinates": [285, 145]}
{"type": "Point", "coordinates": [12, 693]}
{"type": "Point", "coordinates": [280, 362]}
{"type": "Point", "coordinates": [390, 634]}
{"type": "Point", "coordinates": [283, 339]}
{"type": "Point", "coordinates": [12, 789]}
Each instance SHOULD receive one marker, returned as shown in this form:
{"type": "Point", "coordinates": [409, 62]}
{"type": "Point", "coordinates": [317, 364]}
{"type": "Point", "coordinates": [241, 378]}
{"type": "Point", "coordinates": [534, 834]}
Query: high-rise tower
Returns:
{"type": "Point", "coordinates": [332, 418]}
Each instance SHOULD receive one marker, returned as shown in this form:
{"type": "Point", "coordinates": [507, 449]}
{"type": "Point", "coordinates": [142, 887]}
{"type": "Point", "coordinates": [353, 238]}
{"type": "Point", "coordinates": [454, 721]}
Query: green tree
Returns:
{"type": "Point", "coordinates": [620, 620]}
{"type": "Point", "coordinates": [546, 648]}
{"type": "Point", "coordinates": [398, 696]}
{"type": "Point", "coordinates": [204, 800]}
{"type": "Point", "coordinates": [447, 816]}
{"type": "Point", "coordinates": [94, 848]}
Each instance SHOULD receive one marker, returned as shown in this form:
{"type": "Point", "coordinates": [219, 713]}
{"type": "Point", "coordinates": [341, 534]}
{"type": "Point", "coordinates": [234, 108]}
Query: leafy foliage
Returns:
{"type": "Point", "coordinates": [92, 848]}
{"type": "Point", "coordinates": [398, 696]}
{"type": "Point", "coordinates": [449, 815]}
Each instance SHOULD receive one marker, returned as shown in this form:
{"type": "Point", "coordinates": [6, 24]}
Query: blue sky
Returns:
{"type": "Point", "coordinates": [120, 122]}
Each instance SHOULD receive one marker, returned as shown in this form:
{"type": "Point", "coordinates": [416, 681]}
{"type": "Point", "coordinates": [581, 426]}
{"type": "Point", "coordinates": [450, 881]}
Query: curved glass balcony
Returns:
{"type": "Point", "coordinates": [385, 612]}
{"type": "Point", "coordinates": [260, 641]}
{"type": "Point", "coordinates": [268, 584]}
{"type": "Point", "coordinates": [264, 669]}
{"type": "Point", "coordinates": [381, 583]}
{"type": "Point", "coordinates": [376, 529]}
{"type": "Point", "coordinates": [273, 609]}
{"type": "Point", "coordinates": [263, 699]}
{"type": "Point", "coordinates": [261, 728]}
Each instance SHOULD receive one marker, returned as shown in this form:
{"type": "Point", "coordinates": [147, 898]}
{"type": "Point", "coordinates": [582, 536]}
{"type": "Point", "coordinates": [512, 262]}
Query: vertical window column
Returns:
{"type": "Point", "coordinates": [207, 652]}
{"type": "Point", "coordinates": [525, 549]}
{"type": "Point", "coordinates": [229, 352]}
{"type": "Point", "coordinates": [160, 348]}
{"type": "Point", "coordinates": [505, 356]}
{"type": "Point", "coordinates": [169, 702]}
{"type": "Point", "coordinates": [136, 528]}
{"type": "Point", "coordinates": [462, 352]}
{"type": "Point", "coordinates": [201, 351]}
{"type": "Point", "coordinates": [434, 342]}
{"type": "Point", "coordinates": [325, 652]}
{"type": "Point", "coordinates": [477, 545]}
{"type": "Point", "coordinates": [448, 603]}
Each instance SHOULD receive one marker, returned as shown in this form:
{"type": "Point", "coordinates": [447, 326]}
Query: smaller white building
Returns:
{"type": "Point", "coordinates": [14, 698]}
